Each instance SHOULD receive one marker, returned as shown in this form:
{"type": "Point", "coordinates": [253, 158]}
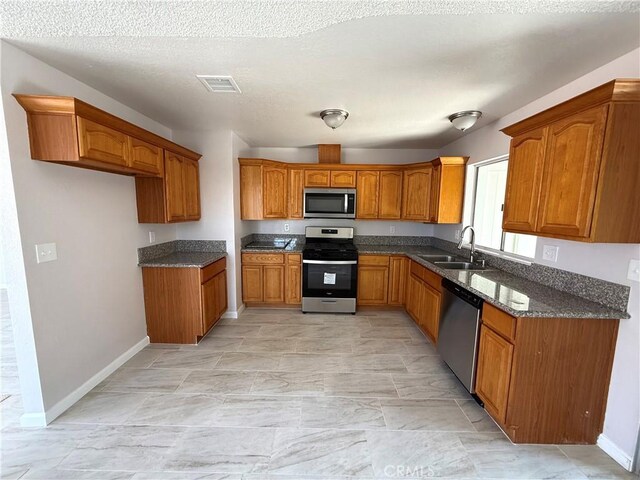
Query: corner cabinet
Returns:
{"type": "Point", "coordinates": [182, 304]}
{"type": "Point", "coordinates": [430, 192]}
{"type": "Point", "coordinates": [68, 131]}
{"type": "Point", "coordinates": [173, 198]}
{"type": "Point", "coordinates": [573, 169]}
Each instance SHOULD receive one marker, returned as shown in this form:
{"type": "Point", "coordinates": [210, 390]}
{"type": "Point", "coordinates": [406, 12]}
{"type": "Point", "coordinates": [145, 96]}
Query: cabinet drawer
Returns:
{"type": "Point", "coordinates": [433, 279]}
{"type": "Point", "coordinates": [499, 321]}
{"type": "Point", "coordinates": [294, 258]}
{"type": "Point", "coordinates": [210, 271]}
{"type": "Point", "coordinates": [262, 258]}
{"type": "Point", "coordinates": [373, 260]}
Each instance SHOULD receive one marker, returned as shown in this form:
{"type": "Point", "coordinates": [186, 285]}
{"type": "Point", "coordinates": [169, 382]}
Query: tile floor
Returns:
{"type": "Point", "coordinates": [281, 395]}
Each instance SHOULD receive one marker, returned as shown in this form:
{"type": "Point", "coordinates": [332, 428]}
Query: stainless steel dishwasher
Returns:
{"type": "Point", "coordinates": [459, 331]}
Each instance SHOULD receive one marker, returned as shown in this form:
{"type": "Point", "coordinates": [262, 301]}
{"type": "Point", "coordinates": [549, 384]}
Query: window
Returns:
{"type": "Point", "coordinates": [486, 217]}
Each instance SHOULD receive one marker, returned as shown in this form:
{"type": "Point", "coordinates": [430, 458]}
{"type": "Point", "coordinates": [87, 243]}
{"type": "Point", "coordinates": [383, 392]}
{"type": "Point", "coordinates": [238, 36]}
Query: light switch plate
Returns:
{"type": "Point", "coordinates": [392, 229]}
{"type": "Point", "coordinates": [458, 234]}
{"type": "Point", "coordinates": [286, 227]}
{"type": "Point", "coordinates": [152, 237]}
{"type": "Point", "coordinates": [550, 253]}
{"type": "Point", "coordinates": [46, 252]}
{"type": "Point", "coordinates": [633, 273]}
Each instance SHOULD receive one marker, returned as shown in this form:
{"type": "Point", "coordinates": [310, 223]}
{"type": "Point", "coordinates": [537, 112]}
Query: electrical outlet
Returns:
{"type": "Point", "coordinates": [286, 227]}
{"type": "Point", "coordinates": [392, 229]}
{"type": "Point", "coordinates": [634, 270]}
{"type": "Point", "coordinates": [458, 234]}
{"type": "Point", "coordinates": [46, 252]}
{"type": "Point", "coordinates": [550, 253]}
{"type": "Point", "coordinates": [152, 237]}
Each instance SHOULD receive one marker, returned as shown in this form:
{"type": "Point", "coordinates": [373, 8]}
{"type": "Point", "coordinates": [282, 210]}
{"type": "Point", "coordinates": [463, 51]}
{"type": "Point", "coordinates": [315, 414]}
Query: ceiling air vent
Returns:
{"type": "Point", "coordinates": [219, 83]}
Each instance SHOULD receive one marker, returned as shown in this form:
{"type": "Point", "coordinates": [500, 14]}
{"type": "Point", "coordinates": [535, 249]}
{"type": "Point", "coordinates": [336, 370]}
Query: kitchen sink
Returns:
{"type": "Point", "coordinates": [438, 258]}
{"type": "Point", "coordinates": [459, 266]}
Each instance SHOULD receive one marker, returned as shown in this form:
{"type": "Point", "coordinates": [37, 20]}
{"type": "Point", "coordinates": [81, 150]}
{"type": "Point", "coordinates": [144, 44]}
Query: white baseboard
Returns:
{"type": "Point", "coordinates": [233, 313]}
{"type": "Point", "coordinates": [44, 419]}
{"type": "Point", "coordinates": [614, 452]}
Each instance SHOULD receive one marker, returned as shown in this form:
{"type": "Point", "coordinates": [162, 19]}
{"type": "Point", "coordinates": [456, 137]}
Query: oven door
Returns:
{"type": "Point", "coordinates": [330, 279]}
{"type": "Point", "coordinates": [329, 203]}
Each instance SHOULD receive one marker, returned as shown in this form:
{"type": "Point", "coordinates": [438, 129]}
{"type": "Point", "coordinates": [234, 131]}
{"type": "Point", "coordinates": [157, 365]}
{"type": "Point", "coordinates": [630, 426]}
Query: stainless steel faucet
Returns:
{"type": "Point", "coordinates": [472, 243]}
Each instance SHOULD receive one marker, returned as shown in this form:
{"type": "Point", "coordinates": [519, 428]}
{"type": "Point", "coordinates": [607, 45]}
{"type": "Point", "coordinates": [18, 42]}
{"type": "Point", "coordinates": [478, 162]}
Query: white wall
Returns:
{"type": "Point", "coordinates": [349, 156]}
{"type": "Point", "coordinates": [606, 261]}
{"type": "Point", "coordinates": [238, 149]}
{"type": "Point", "coordinates": [86, 309]}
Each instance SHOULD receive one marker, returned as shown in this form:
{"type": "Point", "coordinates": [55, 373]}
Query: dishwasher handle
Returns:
{"type": "Point", "coordinates": [462, 293]}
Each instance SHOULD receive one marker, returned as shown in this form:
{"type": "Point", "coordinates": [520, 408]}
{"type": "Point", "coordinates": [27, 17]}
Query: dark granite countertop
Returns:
{"type": "Point", "coordinates": [516, 295]}
{"type": "Point", "coordinates": [293, 247]}
{"type": "Point", "coordinates": [184, 259]}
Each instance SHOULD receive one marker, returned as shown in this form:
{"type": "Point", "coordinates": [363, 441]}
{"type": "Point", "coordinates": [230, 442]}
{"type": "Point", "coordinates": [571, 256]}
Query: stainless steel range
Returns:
{"type": "Point", "coordinates": [330, 270]}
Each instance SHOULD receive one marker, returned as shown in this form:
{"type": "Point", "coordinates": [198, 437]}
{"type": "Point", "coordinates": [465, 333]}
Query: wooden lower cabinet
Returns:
{"type": "Point", "coordinates": [430, 312]}
{"type": "Point", "coordinates": [495, 357]}
{"type": "Point", "coordinates": [271, 278]}
{"type": "Point", "coordinates": [424, 298]}
{"type": "Point", "coordinates": [545, 380]}
{"type": "Point", "coordinates": [182, 304]}
{"type": "Point", "coordinates": [373, 284]}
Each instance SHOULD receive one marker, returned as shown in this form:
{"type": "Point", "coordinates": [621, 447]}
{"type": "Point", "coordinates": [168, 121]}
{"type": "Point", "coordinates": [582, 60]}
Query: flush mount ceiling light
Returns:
{"type": "Point", "coordinates": [334, 117]}
{"type": "Point", "coordinates": [464, 120]}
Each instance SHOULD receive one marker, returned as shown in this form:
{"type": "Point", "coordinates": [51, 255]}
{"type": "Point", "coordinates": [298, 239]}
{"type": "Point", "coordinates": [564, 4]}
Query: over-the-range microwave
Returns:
{"type": "Point", "coordinates": [329, 203]}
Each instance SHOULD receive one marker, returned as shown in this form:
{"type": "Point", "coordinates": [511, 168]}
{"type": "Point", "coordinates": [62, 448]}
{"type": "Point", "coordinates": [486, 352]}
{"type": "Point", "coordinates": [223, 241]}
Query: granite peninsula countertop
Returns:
{"type": "Point", "coordinates": [513, 294]}
{"type": "Point", "coordinates": [182, 254]}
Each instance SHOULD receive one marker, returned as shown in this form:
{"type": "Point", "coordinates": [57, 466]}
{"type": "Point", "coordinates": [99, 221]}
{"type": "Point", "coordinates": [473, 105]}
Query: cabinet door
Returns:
{"type": "Point", "coordinates": [343, 178]}
{"type": "Point", "coordinates": [495, 357]}
{"type": "Point", "coordinates": [252, 283]}
{"type": "Point", "coordinates": [390, 195]}
{"type": "Point", "coordinates": [397, 279]}
{"type": "Point", "coordinates": [317, 178]}
{"type": "Point", "coordinates": [524, 178]}
{"type": "Point", "coordinates": [251, 192]}
{"type": "Point", "coordinates": [415, 194]}
{"type": "Point", "coordinates": [434, 199]}
{"type": "Point", "coordinates": [293, 279]}
{"type": "Point", "coordinates": [274, 192]}
{"type": "Point", "coordinates": [104, 144]}
{"type": "Point", "coordinates": [430, 312]}
{"type": "Point", "coordinates": [296, 189]}
{"type": "Point", "coordinates": [414, 298]}
{"type": "Point", "coordinates": [174, 187]}
{"type": "Point", "coordinates": [373, 285]}
{"type": "Point", "coordinates": [210, 308]}
{"type": "Point", "coordinates": [367, 195]}
{"type": "Point", "coordinates": [273, 283]}
{"type": "Point", "coordinates": [145, 157]}
{"type": "Point", "coordinates": [221, 293]}
{"type": "Point", "coordinates": [570, 175]}
{"type": "Point", "coordinates": [191, 185]}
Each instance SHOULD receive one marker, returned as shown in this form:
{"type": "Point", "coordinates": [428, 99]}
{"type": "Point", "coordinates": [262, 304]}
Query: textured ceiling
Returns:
{"type": "Point", "coordinates": [400, 68]}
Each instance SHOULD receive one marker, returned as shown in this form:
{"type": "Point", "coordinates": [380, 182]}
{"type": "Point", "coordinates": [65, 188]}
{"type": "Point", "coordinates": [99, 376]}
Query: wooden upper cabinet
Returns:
{"type": "Point", "coordinates": [191, 187]}
{"type": "Point", "coordinates": [390, 195]}
{"type": "Point", "coordinates": [572, 164]}
{"type": "Point", "coordinates": [175, 192]}
{"type": "Point", "coordinates": [495, 357]}
{"type": "Point", "coordinates": [274, 192]}
{"type": "Point", "coordinates": [296, 193]}
{"type": "Point", "coordinates": [71, 132]}
{"type": "Point", "coordinates": [317, 178]}
{"type": "Point", "coordinates": [145, 157]}
{"type": "Point", "coordinates": [584, 154]}
{"type": "Point", "coordinates": [97, 142]}
{"type": "Point", "coordinates": [434, 200]}
{"type": "Point", "coordinates": [343, 178]}
{"type": "Point", "coordinates": [416, 194]}
{"type": "Point", "coordinates": [251, 197]}
{"type": "Point", "coordinates": [524, 179]}
{"type": "Point", "coordinates": [367, 194]}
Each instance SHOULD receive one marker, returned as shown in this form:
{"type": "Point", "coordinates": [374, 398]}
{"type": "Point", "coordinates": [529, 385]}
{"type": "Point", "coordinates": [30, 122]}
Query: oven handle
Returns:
{"type": "Point", "coordinates": [331, 262]}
